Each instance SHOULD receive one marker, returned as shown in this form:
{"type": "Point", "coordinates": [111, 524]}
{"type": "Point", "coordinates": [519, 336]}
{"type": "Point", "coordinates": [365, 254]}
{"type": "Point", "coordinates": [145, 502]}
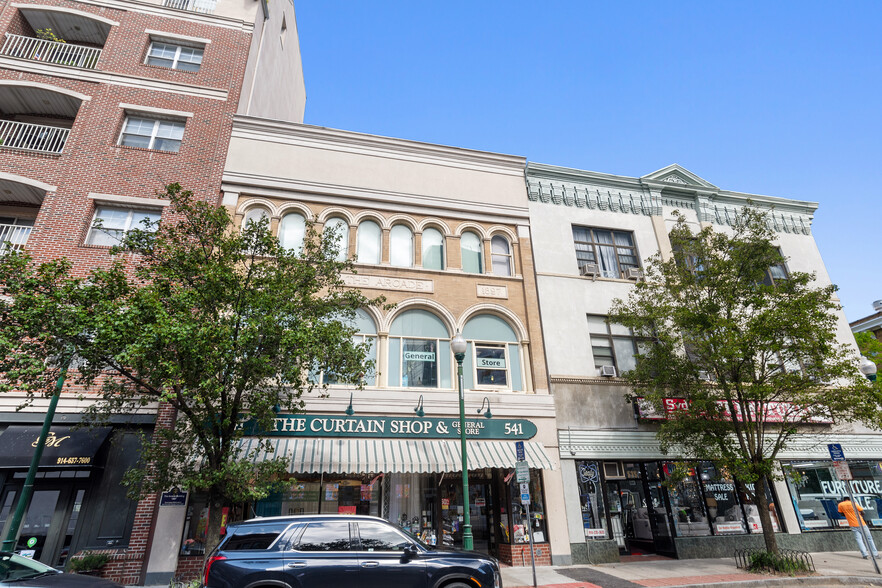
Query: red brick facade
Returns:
{"type": "Point", "coordinates": [93, 162]}
{"type": "Point", "coordinates": [519, 554]}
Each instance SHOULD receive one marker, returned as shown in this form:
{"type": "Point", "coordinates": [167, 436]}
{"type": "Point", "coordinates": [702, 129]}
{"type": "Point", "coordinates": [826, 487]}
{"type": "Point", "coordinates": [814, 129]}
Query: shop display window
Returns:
{"type": "Point", "coordinates": [591, 499]}
{"type": "Point", "coordinates": [195, 525]}
{"type": "Point", "coordinates": [687, 503]}
{"type": "Point", "coordinates": [816, 492]}
{"type": "Point", "coordinates": [723, 510]}
{"type": "Point", "coordinates": [754, 524]}
{"type": "Point", "coordinates": [317, 495]}
{"type": "Point", "coordinates": [411, 505]}
{"type": "Point", "coordinates": [536, 523]}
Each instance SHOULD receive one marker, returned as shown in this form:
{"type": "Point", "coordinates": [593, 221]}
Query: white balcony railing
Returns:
{"type": "Point", "coordinates": [50, 51]}
{"type": "Point", "coordinates": [204, 6]}
{"type": "Point", "coordinates": [13, 237]}
{"type": "Point", "coordinates": [42, 138]}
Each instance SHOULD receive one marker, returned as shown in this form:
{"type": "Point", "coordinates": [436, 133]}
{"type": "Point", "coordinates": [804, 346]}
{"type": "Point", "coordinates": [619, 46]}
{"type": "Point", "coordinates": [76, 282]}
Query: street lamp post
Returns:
{"type": "Point", "coordinates": [868, 368]}
{"type": "Point", "coordinates": [458, 345]}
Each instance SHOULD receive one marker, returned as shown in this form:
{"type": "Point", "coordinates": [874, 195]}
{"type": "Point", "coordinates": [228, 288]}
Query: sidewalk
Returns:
{"type": "Point", "coordinates": [833, 569]}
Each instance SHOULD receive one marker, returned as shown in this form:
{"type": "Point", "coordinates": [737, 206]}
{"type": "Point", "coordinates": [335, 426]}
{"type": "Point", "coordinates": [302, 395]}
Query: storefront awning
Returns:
{"type": "Point", "coordinates": [374, 456]}
{"type": "Point", "coordinates": [65, 446]}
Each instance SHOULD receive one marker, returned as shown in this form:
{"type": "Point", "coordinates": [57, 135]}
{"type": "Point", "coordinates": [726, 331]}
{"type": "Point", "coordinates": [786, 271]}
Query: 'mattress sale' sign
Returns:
{"type": "Point", "coordinates": [772, 412]}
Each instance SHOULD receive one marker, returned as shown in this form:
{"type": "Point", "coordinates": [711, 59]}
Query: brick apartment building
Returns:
{"type": "Point", "coordinates": [102, 103]}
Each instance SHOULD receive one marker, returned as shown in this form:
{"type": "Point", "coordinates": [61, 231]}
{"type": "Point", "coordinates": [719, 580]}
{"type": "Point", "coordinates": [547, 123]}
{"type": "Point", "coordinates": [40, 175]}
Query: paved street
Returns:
{"type": "Point", "coordinates": [833, 569]}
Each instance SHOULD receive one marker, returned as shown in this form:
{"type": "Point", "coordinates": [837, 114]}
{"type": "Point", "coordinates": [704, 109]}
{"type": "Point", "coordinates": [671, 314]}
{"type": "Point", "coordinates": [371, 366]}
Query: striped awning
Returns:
{"type": "Point", "coordinates": [374, 456]}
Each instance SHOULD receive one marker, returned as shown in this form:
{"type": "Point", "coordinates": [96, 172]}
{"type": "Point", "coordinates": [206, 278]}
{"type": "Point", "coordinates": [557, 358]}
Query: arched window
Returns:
{"type": "Point", "coordinates": [500, 252]}
{"type": "Point", "coordinates": [472, 249]}
{"type": "Point", "coordinates": [419, 351]}
{"type": "Point", "coordinates": [370, 242]}
{"type": "Point", "coordinates": [292, 230]}
{"type": "Point", "coordinates": [254, 215]}
{"type": "Point", "coordinates": [493, 359]}
{"type": "Point", "coordinates": [433, 249]}
{"type": "Point", "coordinates": [341, 230]}
{"type": "Point", "coordinates": [366, 333]}
{"type": "Point", "coordinates": [401, 246]}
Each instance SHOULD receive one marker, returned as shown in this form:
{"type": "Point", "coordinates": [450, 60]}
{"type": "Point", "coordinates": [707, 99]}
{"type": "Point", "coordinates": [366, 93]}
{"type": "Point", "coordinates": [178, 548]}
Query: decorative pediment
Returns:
{"type": "Point", "coordinates": [676, 175]}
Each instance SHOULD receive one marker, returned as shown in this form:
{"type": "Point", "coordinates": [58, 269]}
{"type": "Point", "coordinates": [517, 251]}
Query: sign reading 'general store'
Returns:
{"type": "Point", "coordinates": [317, 425]}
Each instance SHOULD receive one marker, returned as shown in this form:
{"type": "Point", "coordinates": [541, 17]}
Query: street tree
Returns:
{"type": "Point", "coordinates": [214, 322]}
{"type": "Point", "coordinates": [749, 351]}
{"type": "Point", "coordinates": [870, 346]}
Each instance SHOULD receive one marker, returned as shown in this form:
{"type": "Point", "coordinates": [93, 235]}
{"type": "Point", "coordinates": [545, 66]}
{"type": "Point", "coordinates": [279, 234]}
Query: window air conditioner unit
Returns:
{"type": "Point", "coordinates": [634, 273]}
{"type": "Point", "coordinates": [589, 269]}
{"type": "Point", "coordinates": [613, 470]}
{"type": "Point", "coordinates": [608, 371]}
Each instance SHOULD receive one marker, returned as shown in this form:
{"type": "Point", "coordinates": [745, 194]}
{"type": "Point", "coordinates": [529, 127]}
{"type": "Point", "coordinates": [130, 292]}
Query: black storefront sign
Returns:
{"type": "Point", "coordinates": [64, 447]}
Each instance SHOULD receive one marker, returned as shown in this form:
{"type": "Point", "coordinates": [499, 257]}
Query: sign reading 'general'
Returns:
{"type": "Point", "coordinates": [317, 425]}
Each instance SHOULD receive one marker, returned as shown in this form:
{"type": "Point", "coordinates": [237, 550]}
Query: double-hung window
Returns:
{"type": "Point", "coordinates": [776, 274]}
{"type": "Point", "coordinates": [174, 56]}
{"type": "Point", "coordinates": [614, 252]}
{"type": "Point", "coordinates": [151, 133]}
{"type": "Point", "coordinates": [491, 365]}
{"type": "Point", "coordinates": [612, 345]}
{"type": "Point", "coordinates": [111, 224]}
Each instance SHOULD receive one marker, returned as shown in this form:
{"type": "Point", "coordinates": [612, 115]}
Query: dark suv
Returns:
{"type": "Point", "coordinates": [330, 551]}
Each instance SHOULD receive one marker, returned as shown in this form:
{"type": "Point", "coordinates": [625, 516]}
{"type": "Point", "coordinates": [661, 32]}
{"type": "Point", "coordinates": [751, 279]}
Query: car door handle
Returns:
{"type": "Point", "coordinates": [370, 564]}
{"type": "Point", "coordinates": [297, 564]}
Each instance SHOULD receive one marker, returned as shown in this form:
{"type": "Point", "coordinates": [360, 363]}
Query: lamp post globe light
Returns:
{"type": "Point", "coordinates": [868, 368]}
{"type": "Point", "coordinates": [458, 345]}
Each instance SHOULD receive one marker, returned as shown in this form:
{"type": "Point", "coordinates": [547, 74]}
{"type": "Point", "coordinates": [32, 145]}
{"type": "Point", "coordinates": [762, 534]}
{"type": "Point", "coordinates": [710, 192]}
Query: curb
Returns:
{"type": "Point", "coordinates": [804, 581]}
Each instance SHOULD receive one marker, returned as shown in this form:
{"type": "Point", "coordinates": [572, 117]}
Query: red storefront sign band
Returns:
{"type": "Point", "coordinates": [773, 412]}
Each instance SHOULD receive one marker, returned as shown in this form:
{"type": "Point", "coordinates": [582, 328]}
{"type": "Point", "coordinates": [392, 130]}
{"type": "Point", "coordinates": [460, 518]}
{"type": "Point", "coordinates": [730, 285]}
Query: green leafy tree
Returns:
{"type": "Point", "coordinates": [192, 314]}
{"type": "Point", "coordinates": [870, 347]}
{"type": "Point", "coordinates": [755, 362]}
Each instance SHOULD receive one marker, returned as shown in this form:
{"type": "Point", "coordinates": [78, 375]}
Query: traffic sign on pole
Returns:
{"type": "Point", "coordinates": [522, 471]}
{"type": "Point", "coordinates": [519, 450]}
{"type": "Point", "coordinates": [836, 453]}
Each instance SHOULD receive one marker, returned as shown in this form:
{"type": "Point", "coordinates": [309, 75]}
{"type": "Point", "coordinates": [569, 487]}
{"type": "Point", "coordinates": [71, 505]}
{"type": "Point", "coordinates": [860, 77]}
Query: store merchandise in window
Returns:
{"type": "Point", "coordinates": [591, 499]}
{"type": "Point", "coordinates": [520, 523]}
{"type": "Point", "coordinates": [723, 509]}
{"type": "Point", "coordinates": [816, 492]}
{"type": "Point", "coordinates": [690, 517]}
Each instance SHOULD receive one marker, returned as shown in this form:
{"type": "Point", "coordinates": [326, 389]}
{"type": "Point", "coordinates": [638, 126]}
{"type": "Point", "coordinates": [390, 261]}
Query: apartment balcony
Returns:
{"type": "Point", "coordinates": [31, 137]}
{"type": "Point", "coordinates": [203, 6]}
{"type": "Point", "coordinates": [13, 236]}
{"type": "Point", "coordinates": [50, 51]}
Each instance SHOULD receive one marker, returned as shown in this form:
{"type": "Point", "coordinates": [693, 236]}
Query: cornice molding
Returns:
{"type": "Point", "coordinates": [868, 323]}
{"type": "Point", "coordinates": [177, 14]}
{"type": "Point", "coordinates": [672, 186]}
{"type": "Point", "coordinates": [249, 127]}
{"type": "Point", "coordinates": [116, 79]}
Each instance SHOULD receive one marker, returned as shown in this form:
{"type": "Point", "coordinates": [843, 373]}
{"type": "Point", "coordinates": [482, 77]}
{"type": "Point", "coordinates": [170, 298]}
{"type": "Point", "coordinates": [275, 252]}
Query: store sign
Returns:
{"type": "Point", "coordinates": [419, 356]}
{"type": "Point", "coordinates": [64, 445]}
{"type": "Point", "coordinates": [596, 533]}
{"type": "Point", "coordinates": [319, 425]}
{"type": "Point", "coordinates": [772, 412]}
{"type": "Point", "coordinates": [173, 499]}
{"type": "Point", "coordinates": [497, 363]}
{"type": "Point", "coordinates": [387, 283]}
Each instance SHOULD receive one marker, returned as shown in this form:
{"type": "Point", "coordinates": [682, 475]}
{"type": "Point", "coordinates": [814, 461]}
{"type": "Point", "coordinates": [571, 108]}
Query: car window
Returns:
{"type": "Point", "coordinates": [255, 537]}
{"type": "Point", "coordinates": [16, 567]}
{"type": "Point", "coordinates": [380, 537]}
{"type": "Point", "coordinates": [330, 536]}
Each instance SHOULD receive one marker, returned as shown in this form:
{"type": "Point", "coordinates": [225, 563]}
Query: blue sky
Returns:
{"type": "Point", "coordinates": [776, 98]}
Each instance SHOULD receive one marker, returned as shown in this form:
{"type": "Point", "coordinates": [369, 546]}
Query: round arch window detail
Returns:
{"type": "Point", "coordinates": [419, 351]}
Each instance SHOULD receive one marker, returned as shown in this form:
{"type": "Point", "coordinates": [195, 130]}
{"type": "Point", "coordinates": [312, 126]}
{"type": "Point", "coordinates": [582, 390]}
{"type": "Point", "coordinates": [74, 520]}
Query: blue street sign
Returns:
{"type": "Point", "coordinates": [836, 453]}
{"type": "Point", "coordinates": [525, 498]}
{"type": "Point", "coordinates": [519, 449]}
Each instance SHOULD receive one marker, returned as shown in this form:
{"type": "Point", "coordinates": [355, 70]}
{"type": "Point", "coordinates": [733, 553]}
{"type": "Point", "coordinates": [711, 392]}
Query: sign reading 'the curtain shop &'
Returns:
{"type": "Point", "coordinates": [317, 425]}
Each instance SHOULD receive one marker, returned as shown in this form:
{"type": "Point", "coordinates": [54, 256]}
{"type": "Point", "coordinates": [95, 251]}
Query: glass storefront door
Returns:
{"type": "Point", "coordinates": [49, 524]}
{"type": "Point", "coordinates": [638, 511]}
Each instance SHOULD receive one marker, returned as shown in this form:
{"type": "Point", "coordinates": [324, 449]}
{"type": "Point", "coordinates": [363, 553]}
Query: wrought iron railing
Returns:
{"type": "Point", "coordinates": [787, 560]}
{"type": "Point", "coordinates": [13, 237]}
{"type": "Point", "coordinates": [50, 51]}
{"type": "Point", "coordinates": [42, 138]}
{"type": "Point", "coordinates": [204, 6]}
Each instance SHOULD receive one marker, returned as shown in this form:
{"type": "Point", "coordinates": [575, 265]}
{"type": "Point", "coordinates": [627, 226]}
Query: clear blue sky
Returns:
{"type": "Point", "coordinates": [772, 98]}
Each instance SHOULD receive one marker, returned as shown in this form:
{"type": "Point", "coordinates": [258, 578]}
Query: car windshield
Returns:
{"type": "Point", "coordinates": [15, 567]}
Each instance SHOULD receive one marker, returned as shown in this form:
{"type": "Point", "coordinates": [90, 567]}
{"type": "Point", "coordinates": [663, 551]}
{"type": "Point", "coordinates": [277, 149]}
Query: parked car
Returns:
{"type": "Point", "coordinates": [16, 570]}
{"type": "Point", "coordinates": [330, 551]}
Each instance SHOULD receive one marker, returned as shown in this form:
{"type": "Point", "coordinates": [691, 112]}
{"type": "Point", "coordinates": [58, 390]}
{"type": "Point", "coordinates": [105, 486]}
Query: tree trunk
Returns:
{"type": "Point", "coordinates": [215, 514]}
{"type": "Point", "coordinates": [762, 504]}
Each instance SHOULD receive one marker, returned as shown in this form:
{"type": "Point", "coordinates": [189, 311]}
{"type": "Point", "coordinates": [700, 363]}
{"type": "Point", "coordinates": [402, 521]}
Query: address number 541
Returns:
{"type": "Point", "coordinates": [514, 429]}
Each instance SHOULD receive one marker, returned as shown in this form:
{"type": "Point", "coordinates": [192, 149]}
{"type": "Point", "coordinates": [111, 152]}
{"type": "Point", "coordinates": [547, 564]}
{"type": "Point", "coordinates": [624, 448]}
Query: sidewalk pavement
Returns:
{"type": "Point", "coordinates": [832, 569]}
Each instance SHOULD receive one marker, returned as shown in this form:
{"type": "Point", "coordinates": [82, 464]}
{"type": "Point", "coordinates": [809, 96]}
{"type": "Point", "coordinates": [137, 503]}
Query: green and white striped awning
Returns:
{"type": "Point", "coordinates": [374, 456]}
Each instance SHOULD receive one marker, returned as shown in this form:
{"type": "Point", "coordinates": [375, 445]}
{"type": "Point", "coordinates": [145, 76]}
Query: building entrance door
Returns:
{"type": "Point", "coordinates": [638, 511]}
{"type": "Point", "coordinates": [50, 521]}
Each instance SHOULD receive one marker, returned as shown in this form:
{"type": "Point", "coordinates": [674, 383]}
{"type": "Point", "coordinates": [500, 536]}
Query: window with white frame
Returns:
{"type": "Point", "coordinates": [612, 344]}
{"type": "Point", "coordinates": [493, 359]}
{"type": "Point", "coordinates": [613, 251]}
{"type": "Point", "coordinates": [401, 246]}
{"type": "Point", "coordinates": [472, 250]}
{"type": "Point", "coordinates": [370, 242]}
{"type": "Point", "coordinates": [110, 224]}
{"type": "Point", "coordinates": [340, 228]}
{"type": "Point", "coordinates": [174, 56]}
{"type": "Point", "coordinates": [367, 333]}
{"type": "Point", "coordinates": [433, 249]}
{"type": "Point", "coordinates": [500, 252]}
{"type": "Point", "coordinates": [292, 231]}
{"type": "Point", "coordinates": [254, 214]}
{"type": "Point", "coordinates": [419, 351]}
{"type": "Point", "coordinates": [151, 133]}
